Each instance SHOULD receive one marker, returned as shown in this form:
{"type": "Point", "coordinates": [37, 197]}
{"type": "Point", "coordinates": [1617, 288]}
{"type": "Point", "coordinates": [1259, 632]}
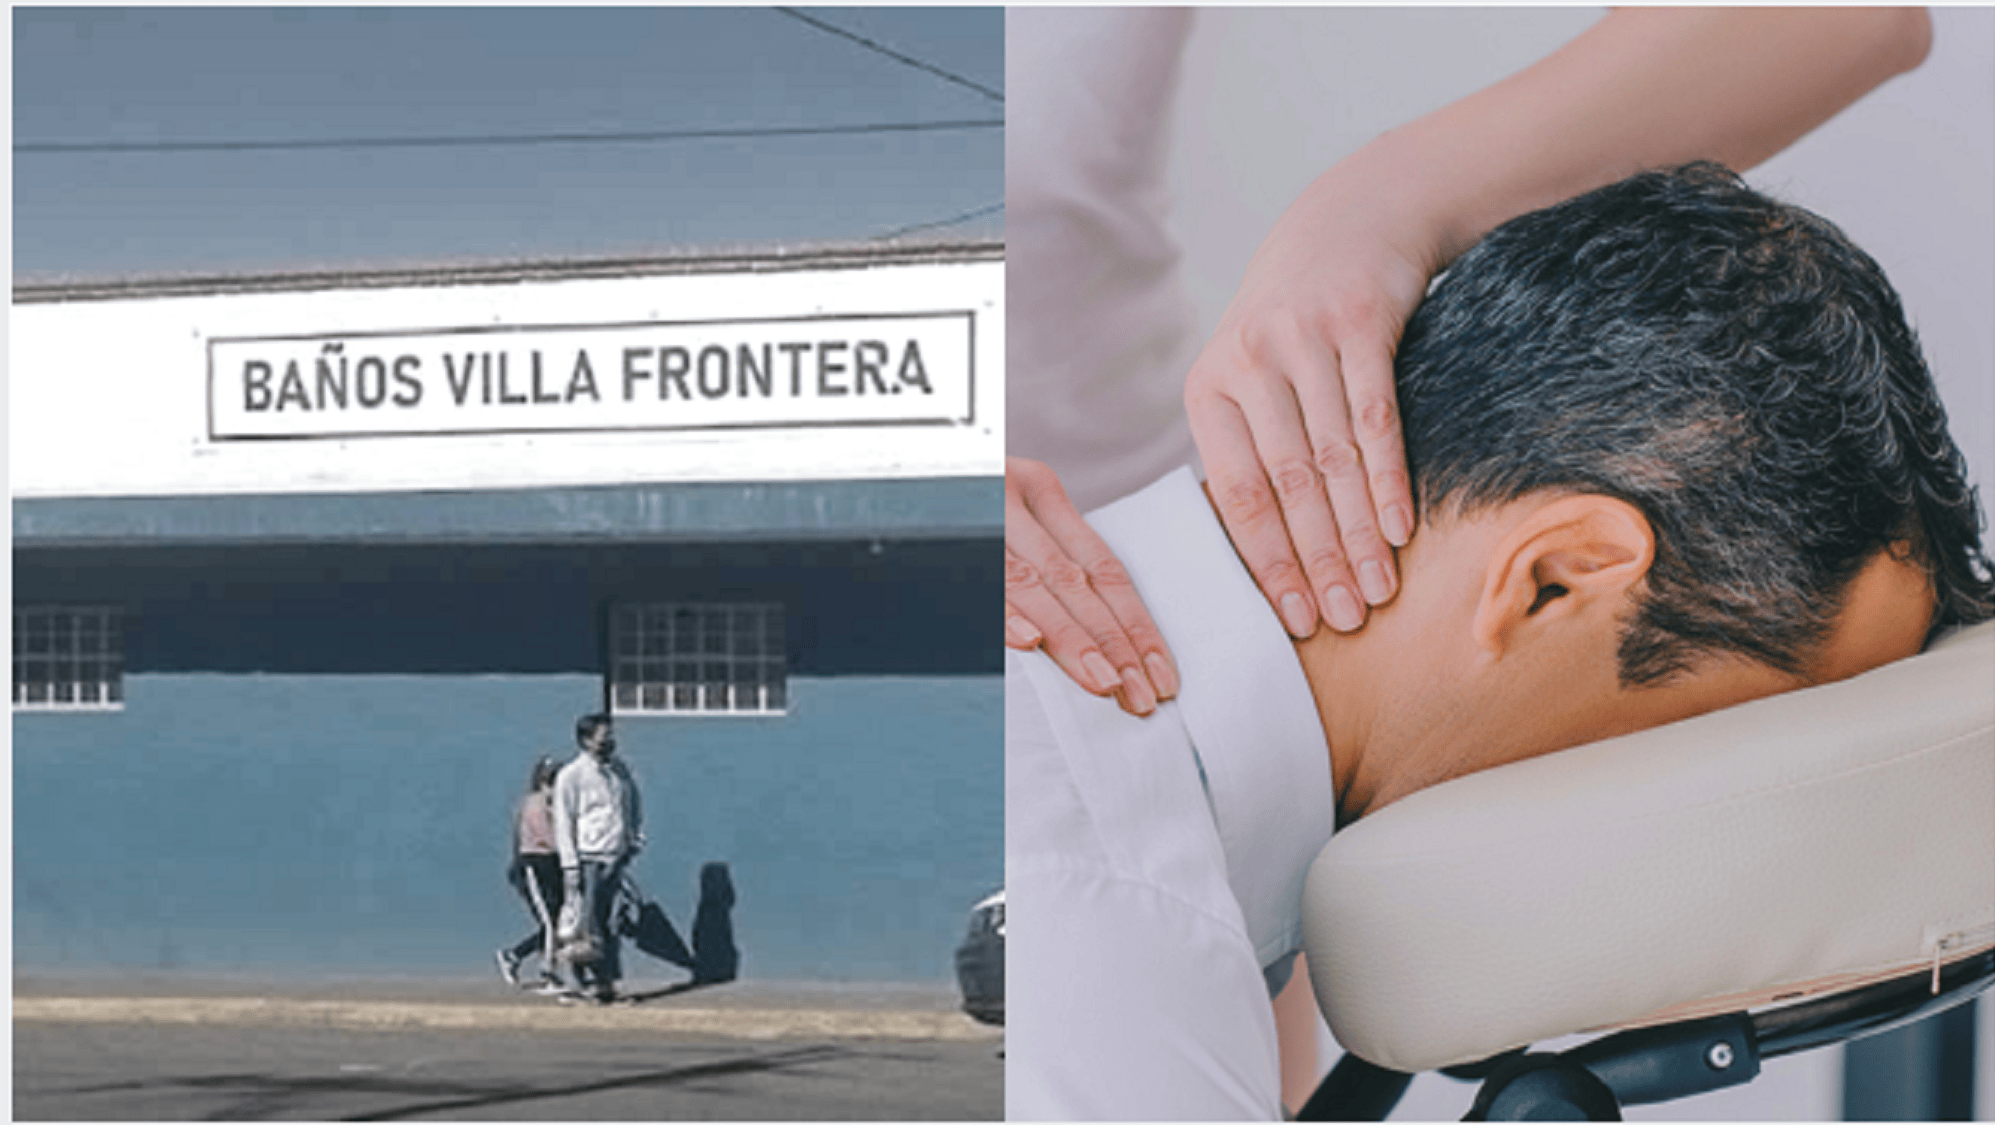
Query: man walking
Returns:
{"type": "Point", "coordinates": [597, 829]}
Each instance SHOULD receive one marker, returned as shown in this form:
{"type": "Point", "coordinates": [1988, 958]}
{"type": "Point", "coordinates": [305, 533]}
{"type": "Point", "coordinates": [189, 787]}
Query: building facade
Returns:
{"type": "Point", "coordinates": [308, 570]}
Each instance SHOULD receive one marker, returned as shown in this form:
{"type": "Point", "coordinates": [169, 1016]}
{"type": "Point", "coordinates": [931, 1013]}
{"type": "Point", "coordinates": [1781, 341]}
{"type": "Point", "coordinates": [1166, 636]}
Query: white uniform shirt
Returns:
{"type": "Point", "coordinates": [1099, 330]}
{"type": "Point", "coordinates": [1154, 867]}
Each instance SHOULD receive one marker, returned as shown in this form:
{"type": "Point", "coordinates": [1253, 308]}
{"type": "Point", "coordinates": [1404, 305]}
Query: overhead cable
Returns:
{"type": "Point", "coordinates": [905, 60]}
{"type": "Point", "coordinates": [499, 140]}
{"type": "Point", "coordinates": [965, 217]}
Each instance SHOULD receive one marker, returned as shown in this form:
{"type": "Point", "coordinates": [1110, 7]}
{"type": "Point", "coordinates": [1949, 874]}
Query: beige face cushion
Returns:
{"type": "Point", "coordinates": [1790, 847]}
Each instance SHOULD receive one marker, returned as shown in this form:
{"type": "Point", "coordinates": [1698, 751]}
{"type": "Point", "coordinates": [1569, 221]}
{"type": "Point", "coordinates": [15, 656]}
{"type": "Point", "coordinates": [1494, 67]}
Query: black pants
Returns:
{"type": "Point", "coordinates": [545, 871]}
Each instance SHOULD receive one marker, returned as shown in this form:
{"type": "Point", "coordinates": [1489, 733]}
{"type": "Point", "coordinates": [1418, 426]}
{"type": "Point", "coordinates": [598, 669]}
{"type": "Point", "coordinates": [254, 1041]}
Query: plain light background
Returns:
{"type": "Point", "coordinates": [1269, 98]}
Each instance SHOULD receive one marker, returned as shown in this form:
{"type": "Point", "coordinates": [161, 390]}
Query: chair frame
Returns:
{"type": "Point", "coordinates": [1659, 1064]}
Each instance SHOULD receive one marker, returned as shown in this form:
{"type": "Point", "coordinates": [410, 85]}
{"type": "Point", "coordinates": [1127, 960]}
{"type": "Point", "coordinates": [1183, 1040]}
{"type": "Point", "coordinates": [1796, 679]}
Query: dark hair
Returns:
{"type": "Point", "coordinates": [1730, 365]}
{"type": "Point", "coordinates": [588, 723]}
{"type": "Point", "coordinates": [543, 773]}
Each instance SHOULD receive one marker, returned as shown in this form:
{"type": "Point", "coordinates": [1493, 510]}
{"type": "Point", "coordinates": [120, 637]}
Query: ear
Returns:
{"type": "Point", "coordinates": [1570, 557]}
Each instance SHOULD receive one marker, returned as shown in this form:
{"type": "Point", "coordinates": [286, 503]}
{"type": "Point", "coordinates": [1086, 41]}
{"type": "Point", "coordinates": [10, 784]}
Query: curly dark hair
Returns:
{"type": "Point", "coordinates": [1732, 366]}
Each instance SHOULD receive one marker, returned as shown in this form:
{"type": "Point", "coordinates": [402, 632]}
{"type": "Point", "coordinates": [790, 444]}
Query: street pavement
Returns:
{"type": "Point", "coordinates": [171, 1048]}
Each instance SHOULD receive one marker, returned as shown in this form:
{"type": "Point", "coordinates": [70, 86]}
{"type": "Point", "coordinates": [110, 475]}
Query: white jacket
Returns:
{"type": "Point", "coordinates": [596, 811]}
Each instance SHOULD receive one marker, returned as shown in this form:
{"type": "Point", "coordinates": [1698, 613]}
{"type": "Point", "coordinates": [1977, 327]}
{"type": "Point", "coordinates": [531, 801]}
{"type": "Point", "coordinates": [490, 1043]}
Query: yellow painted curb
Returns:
{"type": "Point", "coordinates": [736, 1023]}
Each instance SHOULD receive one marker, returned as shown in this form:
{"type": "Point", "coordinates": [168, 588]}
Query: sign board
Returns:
{"type": "Point", "coordinates": [876, 364]}
{"type": "Point", "coordinates": [911, 369]}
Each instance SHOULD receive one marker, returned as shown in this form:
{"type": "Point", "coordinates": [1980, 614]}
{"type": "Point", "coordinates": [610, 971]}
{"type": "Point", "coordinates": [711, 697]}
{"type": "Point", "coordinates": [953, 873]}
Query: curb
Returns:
{"type": "Point", "coordinates": [735, 1023]}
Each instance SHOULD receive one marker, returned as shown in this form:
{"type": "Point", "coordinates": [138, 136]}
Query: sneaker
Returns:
{"type": "Point", "coordinates": [509, 966]}
{"type": "Point", "coordinates": [549, 986]}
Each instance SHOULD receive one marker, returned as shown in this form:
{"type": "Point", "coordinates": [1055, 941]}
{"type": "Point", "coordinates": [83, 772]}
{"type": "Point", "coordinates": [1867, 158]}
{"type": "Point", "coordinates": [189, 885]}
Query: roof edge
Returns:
{"type": "Point", "coordinates": [504, 273]}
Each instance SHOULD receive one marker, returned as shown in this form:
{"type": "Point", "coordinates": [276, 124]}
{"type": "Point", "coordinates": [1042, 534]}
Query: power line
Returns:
{"type": "Point", "coordinates": [500, 140]}
{"type": "Point", "coordinates": [965, 217]}
{"type": "Point", "coordinates": [905, 60]}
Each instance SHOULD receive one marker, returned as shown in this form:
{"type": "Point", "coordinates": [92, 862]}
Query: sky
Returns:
{"type": "Point", "coordinates": [449, 136]}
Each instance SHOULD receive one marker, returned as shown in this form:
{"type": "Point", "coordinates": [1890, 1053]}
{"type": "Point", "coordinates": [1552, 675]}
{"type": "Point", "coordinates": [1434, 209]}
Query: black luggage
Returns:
{"type": "Point", "coordinates": [644, 923]}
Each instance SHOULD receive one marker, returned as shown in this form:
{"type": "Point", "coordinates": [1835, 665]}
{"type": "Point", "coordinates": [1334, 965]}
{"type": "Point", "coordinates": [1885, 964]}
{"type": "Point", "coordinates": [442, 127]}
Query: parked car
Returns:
{"type": "Point", "coordinates": [980, 962]}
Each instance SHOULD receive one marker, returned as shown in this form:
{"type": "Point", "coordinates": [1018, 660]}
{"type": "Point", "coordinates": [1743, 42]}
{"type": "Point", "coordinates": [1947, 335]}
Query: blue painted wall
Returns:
{"type": "Point", "coordinates": [359, 823]}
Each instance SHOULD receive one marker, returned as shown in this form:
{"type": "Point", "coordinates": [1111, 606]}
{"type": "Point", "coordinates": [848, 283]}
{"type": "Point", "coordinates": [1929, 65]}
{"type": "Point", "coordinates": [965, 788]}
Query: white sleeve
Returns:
{"type": "Point", "coordinates": [1127, 1004]}
{"type": "Point", "coordinates": [1132, 991]}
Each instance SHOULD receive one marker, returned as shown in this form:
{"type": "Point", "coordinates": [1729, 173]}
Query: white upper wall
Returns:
{"type": "Point", "coordinates": [1272, 97]}
{"type": "Point", "coordinates": [883, 371]}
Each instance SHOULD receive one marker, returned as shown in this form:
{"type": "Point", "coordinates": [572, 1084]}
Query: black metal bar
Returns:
{"type": "Point", "coordinates": [1355, 1090]}
{"type": "Point", "coordinates": [1660, 1064]}
{"type": "Point", "coordinates": [1877, 1008]}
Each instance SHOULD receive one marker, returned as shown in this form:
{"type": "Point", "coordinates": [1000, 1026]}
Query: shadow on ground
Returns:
{"type": "Point", "coordinates": [257, 1097]}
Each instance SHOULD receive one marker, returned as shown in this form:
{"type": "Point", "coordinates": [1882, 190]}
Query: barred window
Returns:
{"type": "Point", "coordinates": [698, 658]}
{"type": "Point", "coordinates": [69, 658]}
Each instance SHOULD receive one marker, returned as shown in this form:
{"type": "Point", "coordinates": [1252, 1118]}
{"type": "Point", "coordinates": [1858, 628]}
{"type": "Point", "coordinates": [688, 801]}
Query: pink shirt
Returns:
{"type": "Point", "coordinates": [536, 827]}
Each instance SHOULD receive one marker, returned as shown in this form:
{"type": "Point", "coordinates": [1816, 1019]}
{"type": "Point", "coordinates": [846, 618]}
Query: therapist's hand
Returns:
{"type": "Point", "coordinates": [1292, 402]}
{"type": "Point", "coordinates": [1065, 591]}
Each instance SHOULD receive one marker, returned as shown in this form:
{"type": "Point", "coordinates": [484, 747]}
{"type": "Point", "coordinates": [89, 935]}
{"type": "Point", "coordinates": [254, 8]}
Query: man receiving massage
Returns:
{"type": "Point", "coordinates": [1674, 448]}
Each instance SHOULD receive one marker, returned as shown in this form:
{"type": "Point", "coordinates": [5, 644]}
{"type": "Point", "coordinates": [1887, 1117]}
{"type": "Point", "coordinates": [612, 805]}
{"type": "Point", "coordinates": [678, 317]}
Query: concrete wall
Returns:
{"type": "Point", "coordinates": [359, 823]}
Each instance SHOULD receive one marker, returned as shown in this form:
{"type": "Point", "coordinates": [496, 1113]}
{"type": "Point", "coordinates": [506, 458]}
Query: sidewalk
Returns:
{"type": "Point", "coordinates": [175, 1047]}
{"type": "Point", "coordinates": [749, 1010]}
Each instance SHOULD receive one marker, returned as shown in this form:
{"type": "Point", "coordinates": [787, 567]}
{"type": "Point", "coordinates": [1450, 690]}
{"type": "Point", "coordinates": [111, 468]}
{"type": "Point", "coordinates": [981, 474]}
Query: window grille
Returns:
{"type": "Point", "coordinates": [696, 658]}
{"type": "Point", "coordinates": [69, 658]}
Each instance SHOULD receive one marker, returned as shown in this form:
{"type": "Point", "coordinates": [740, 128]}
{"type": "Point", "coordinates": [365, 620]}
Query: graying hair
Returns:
{"type": "Point", "coordinates": [1730, 365]}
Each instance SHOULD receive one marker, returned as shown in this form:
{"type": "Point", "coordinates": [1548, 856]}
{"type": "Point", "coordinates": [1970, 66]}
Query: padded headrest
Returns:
{"type": "Point", "coordinates": [1795, 845]}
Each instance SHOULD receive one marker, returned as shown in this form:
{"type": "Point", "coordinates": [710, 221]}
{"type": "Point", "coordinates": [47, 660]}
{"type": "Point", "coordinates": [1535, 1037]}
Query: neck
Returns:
{"type": "Point", "coordinates": [1337, 677]}
{"type": "Point", "coordinates": [1340, 685]}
